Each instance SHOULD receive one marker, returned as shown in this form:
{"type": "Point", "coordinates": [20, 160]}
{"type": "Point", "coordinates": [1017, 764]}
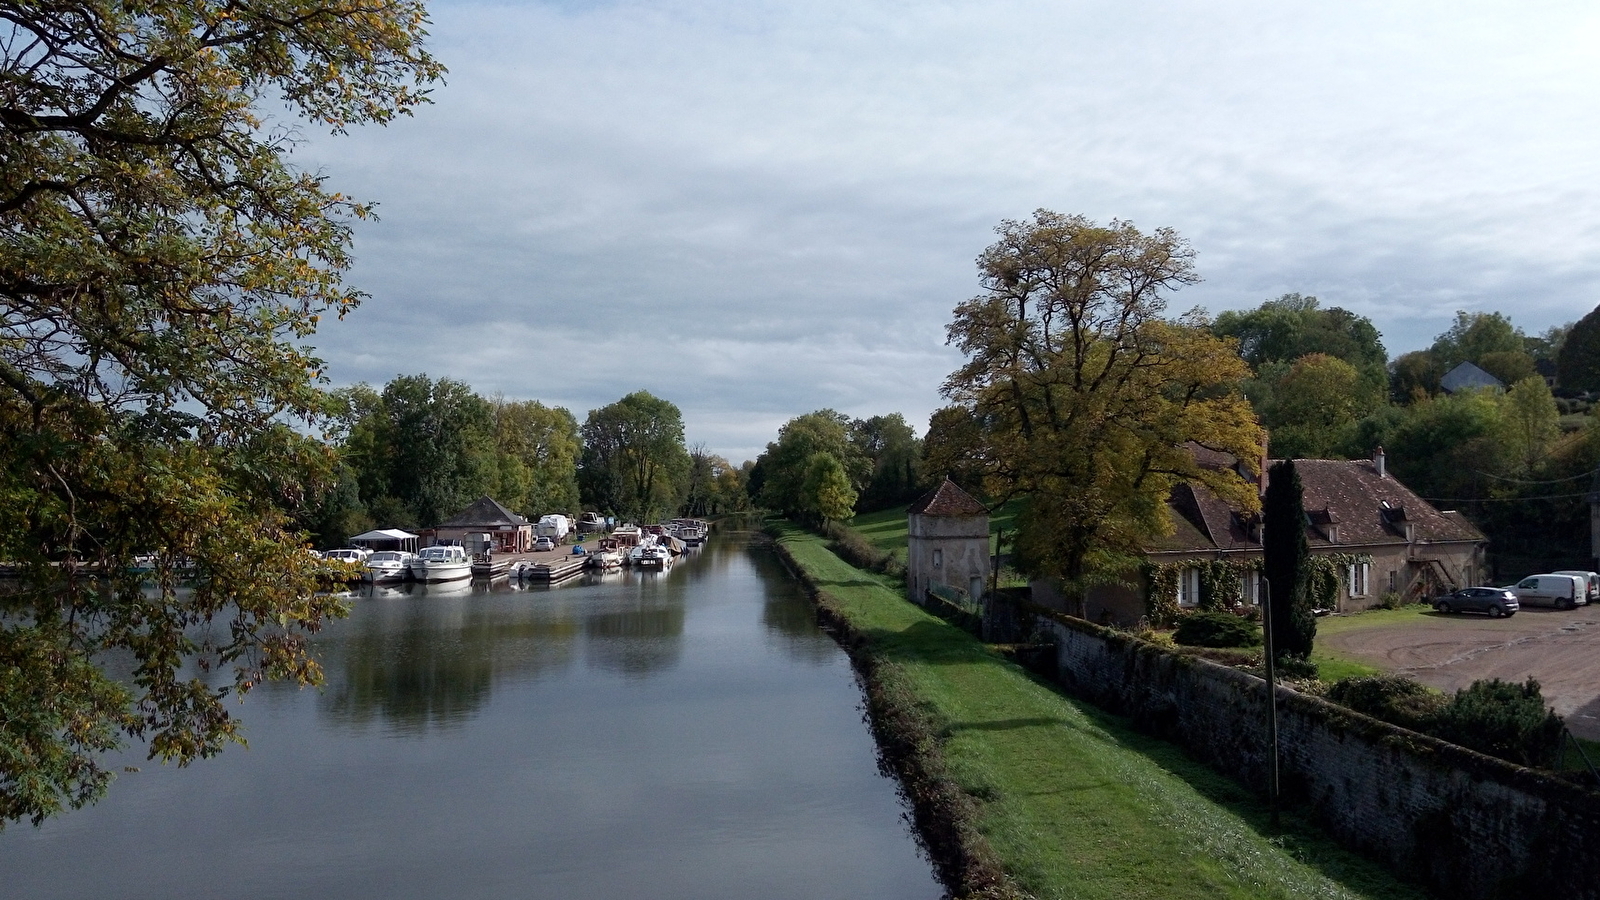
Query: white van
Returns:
{"type": "Point", "coordinates": [1560, 591]}
{"type": "Point", "coordinates": [1593, 579]}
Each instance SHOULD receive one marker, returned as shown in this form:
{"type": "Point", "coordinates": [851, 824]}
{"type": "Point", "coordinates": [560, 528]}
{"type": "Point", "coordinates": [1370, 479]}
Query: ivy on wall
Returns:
{"type": "Point", "coordinates": [1220, 580]}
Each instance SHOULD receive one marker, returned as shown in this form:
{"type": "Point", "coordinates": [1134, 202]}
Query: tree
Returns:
{"type": "Point", "coordinates": [1474, 336]}
{"type": "Point", "coordinates": [784, 463]}
{"type": "Point", "coordinates": [634, 462]}
{"type": "Point", "coordinates": [1415, 376]}
{"type": "Point", "coordinates": [536, 453]}
{"type": "Point", "coordinates": [440, 446]}
{"type": "Point", "coordinates": [1578, 365]}
{"type": "Point", "coordinates": [1285, 552]}
{"type": "Point", "coordinates": [1294, 326]}
{"type": "Point", "coordinates": [1531, 422]}
{"type": "Point", "coordinates": [826, 493]}
{"type": "Point", "coordinates": [895, 454]}
{"type": "Point", "coordinates": [1089, 398]}
{"type": "Point", "coordinates": [1315, 407]}
{"type": "Point", "coordinates": [159, 263]}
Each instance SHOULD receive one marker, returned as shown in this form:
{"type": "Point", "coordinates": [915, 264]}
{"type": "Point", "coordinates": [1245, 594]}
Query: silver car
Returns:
{"type": "Point", "coordinates": [1495, 601]}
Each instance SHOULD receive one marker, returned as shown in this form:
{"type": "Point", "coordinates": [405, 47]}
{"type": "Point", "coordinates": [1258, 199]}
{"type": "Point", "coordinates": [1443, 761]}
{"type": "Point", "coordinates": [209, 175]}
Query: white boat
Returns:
{"type": "Point", "coordinates": [607, 558]}
{"type": "Point", "coordinates": [388, 565]}
{"type": "Point", "coordinates": [442, 563]}
{"type": "Point", "coordinates": [651, 555]}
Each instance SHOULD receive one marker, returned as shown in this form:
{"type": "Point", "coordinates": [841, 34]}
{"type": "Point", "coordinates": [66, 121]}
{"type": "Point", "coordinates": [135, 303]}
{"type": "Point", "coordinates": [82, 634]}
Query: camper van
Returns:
{"type": "Point", "coordinates": [1560, 591]}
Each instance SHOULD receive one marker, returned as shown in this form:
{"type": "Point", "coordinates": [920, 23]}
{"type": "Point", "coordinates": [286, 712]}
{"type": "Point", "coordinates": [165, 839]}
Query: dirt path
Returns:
{"type": "Point", "coordinates": [1560, 649]}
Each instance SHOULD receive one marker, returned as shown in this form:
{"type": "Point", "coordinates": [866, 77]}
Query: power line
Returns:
{"type": "Point", "coordinates": [1502, 499]}
{"type": "Point", "coordinates": [1524, 481]}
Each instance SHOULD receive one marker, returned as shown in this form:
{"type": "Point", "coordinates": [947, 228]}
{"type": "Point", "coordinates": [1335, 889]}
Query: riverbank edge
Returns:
{"type": "Point", "coordinates": [909, 740]}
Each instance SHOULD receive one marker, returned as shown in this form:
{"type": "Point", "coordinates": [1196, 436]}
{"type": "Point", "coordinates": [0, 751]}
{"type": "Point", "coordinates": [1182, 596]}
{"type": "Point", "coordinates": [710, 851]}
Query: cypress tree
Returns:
{"type": "Point", "coordinates": [1283, 544]}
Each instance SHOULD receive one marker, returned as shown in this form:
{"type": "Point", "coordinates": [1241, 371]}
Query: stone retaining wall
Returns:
{"type": "Point", "coordinates": [1466, 825]}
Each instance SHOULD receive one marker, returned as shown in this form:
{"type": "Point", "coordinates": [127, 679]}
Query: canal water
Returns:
{"type": "Point", "coordinates": [639, 735]}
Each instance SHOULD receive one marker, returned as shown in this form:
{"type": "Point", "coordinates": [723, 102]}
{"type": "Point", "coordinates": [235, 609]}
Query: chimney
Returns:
{"type": "Point", "coordinates": [1379, 462]}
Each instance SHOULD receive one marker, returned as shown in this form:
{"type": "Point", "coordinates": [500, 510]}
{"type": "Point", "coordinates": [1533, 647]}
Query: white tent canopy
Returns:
{"type": "Point", "coordinates": [406, 539]}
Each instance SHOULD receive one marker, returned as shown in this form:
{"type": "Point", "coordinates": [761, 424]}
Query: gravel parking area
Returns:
{"type": "Point", "coordinates": [1559, 648]}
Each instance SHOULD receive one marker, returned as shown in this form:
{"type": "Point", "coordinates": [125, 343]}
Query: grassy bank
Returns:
{"type": "Point", "coordinates": [1066, 800]}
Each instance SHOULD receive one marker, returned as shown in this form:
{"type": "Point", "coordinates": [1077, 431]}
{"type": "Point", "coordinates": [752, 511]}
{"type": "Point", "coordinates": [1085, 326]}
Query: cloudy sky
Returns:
{"type": "Point", "coordinates": [756, 210]}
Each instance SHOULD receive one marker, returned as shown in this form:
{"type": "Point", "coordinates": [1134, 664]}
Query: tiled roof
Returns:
{"type": "Point", "coordinates": [947, 500]}
{"type": "Point", "coordinates": [1344, 497]}
{"type": "Point", "coordinates": [485, 511]}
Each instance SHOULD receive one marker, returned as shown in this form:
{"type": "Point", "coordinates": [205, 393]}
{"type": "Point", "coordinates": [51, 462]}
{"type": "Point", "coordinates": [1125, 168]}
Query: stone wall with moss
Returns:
{"type": "Point", "coordinates": [1469, 826]}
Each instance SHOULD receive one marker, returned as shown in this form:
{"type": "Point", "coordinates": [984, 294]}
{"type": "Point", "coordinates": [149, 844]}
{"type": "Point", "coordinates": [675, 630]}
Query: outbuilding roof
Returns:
{"type": "Point", "coordinates": [484, 511]}
{"type": "Point", "coordinates": [947, 500]}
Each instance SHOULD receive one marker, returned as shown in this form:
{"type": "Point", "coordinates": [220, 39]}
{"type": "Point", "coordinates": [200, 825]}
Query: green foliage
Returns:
{"type": "Point", "coordinates": [784, 466]}
{"type": "Point", "coordinates": [1396, 699]}
{"type": "Point", "coordinates": [1314, 407]}
{"type": "Point", "coordinates": [1287, 563]}
{"type": "Point", "coordinates": [896, 457]}
{"type": "Point", "coordinates": [855, 549]}
{"type": "Point", "coordinates": [1284, 331]}
{"type": "Point", "coordinates": [826, 492]}
{"type": "Point", "coordinates": [1079, 395]}
{"type": "Point", "coordinates": [161, 266]}
{"type": "Point", "coordinates": [634, 462]}
{"type": "Point", "coordinates": [1216, 629]}
{"type": "Point", "coordinates": [1503, 719]}
{"type": "Point", "coordinates": [1474, 336]}
{"type": "Point", "coordinates": [1499, 718]}
{"type": "Point", "coordinates": [1578, 365]}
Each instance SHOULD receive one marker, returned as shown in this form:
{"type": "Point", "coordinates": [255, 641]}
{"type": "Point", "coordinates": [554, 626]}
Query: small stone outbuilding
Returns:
{"type": "Point", "coordinates": [948, 543]}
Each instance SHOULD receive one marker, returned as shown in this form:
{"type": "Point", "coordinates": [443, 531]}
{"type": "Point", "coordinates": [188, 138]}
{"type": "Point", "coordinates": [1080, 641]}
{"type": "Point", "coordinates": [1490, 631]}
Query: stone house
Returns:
{"type": "Point", "coordinates": [1384, 538]}
{"type": "Point", "coordinates": [947, 544]}
{"type": "Point", "coordinates": [509, 532]}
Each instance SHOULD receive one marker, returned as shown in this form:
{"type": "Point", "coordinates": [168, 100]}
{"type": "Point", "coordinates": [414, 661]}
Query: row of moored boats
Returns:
{"type": "Point", "coordinates": [646, 547]}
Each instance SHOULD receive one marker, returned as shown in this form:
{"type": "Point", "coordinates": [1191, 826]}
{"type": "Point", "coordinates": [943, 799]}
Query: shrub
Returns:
{"type": "Point", "coordinates": [856, 550]}
{"type": "Point", "coordinates": [1216, 629]}
{"type": "Point", "coordinates": [1391, 600]}
{"type": "Point", "coordinates": [1395, 699]}
{"type": "Point", "coordinates": [1503, 719]}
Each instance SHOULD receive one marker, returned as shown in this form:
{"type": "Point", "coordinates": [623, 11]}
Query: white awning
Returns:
{"type": "Point", "coordinates": [385, 534]}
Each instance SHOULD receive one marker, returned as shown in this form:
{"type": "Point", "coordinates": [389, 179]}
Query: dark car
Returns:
{"type": "Point", "coordinates": [1495, 601]}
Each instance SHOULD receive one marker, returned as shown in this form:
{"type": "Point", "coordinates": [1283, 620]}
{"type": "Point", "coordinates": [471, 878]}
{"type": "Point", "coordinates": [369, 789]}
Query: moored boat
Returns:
{"type": "Point", "coordinates": [448, 562]}
{"type": "Point", "coordinates": [387, 565]}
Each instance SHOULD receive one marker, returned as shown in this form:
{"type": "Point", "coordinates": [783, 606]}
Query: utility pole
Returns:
{"type": "Point", "coordinates": [1272, 699]}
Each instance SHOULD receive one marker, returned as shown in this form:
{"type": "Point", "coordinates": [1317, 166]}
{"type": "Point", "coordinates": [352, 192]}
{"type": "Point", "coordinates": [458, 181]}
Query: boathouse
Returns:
{"type": "Point", "coordinates": [509, 532]}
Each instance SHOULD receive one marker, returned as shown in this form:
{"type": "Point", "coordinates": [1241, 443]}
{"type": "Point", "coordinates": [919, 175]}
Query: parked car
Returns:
{"type": "Point", "coordinates": [1560, 591]}
{"type": "Point", "coordinates": [1495, 601]}
{"type": "Point", "coordinates": [1592, 578]}
{"type": "Point", "coordinates": [544, 543]}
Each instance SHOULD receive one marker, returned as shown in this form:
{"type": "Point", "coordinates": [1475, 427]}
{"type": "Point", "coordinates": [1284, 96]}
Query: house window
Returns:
{"type": "Point", "coordinates": [1360, 575]}
{"type": "Point", "coordinates": [938, 558]}
{"type": "Point", "coordinates": [1189, 587]}
{"type": "Point", "coordinates": [1250, 588]}
{"type": "Point", "coordinates": [1394, 581]}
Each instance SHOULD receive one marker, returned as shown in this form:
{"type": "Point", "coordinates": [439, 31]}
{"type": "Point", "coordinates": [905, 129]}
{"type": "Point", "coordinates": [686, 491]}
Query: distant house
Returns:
{"type": "Point", "coordinates": [1387, 538]}
{"type": "Point", "coordinates": [1467, 376]}
{"type": "Point", "coordinates": [947, 544]}
{"type": "Point", "coordinates": [509, 532]}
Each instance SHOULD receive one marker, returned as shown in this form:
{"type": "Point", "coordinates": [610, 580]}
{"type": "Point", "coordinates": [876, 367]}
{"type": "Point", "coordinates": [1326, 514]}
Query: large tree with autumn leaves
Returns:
{"type": "Point", "coordinates": [1087, 398]}
{"type": "Point", "coordinates": [160, 263]}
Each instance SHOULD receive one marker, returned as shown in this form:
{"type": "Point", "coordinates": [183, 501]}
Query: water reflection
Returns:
{"type": "Point", "coordinates": [428, 659]}
{"type": "Point", "coordinates": [640, 640]}
{"type": "Point", "coordinates": [628, 737]}
{"type": "Point", "coordinates": [423, 657]}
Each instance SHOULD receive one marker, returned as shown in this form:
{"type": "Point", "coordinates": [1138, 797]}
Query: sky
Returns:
{"type": "Point", "coordinates": [756, 210]}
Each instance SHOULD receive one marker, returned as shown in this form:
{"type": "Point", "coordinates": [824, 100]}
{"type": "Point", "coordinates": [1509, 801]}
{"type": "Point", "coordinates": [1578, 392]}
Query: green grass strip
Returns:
{"type": "Point", "coordinates": [1071, 801]}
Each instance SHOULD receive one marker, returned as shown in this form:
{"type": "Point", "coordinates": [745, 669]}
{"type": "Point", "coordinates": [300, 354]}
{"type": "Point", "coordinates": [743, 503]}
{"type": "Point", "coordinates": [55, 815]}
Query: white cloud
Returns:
{"type": "Point", "coordinates": [766, 209]}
